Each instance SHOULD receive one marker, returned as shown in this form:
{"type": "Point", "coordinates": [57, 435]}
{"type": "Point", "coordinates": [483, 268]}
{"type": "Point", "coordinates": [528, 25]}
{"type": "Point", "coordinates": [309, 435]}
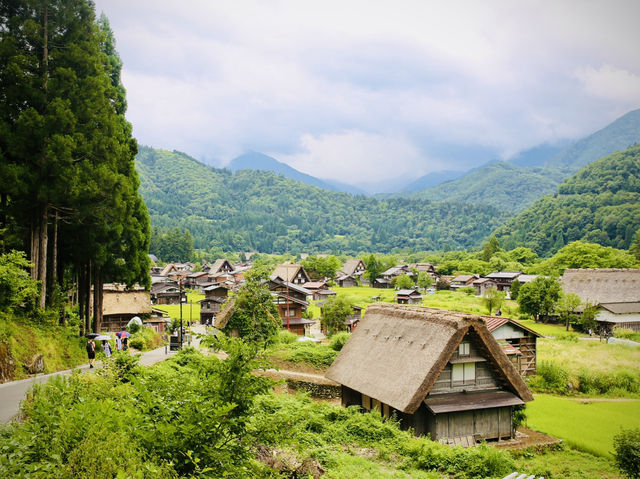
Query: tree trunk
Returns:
{"type": "Point", "coordinates": [80, 296]}
{"type": "Point", "coordinates": [35, 243]}
{"type": "Point", "coordinates": [97, 300]}
{"type": "Point", "coordinates": [42, 260]}
{"type": "Point", "coordinates": [54, 254]}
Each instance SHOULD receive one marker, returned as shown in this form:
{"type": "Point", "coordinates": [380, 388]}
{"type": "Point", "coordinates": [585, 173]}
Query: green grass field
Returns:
{"type": "Point", "coordinates": [190, 310]}
{"type": "Point", "coordinates": [589, 354]}
{"type": "Point", "coordinates": [588, 426]}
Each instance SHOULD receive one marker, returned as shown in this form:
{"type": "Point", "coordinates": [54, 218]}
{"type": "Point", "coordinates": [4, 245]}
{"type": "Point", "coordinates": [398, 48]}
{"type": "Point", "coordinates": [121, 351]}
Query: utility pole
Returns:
{"type": "Point", "coordinates": [287, 269]}
{"type": "Point", "coordinates": [180, 313]}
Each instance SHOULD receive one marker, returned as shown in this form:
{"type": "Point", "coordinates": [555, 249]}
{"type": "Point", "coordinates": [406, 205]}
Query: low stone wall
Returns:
{"type": "Point", "coordinates": [323, 391]}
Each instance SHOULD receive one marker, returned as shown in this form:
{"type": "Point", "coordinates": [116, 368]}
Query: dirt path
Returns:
{"type": "Point", "coordinates": [297, 376]}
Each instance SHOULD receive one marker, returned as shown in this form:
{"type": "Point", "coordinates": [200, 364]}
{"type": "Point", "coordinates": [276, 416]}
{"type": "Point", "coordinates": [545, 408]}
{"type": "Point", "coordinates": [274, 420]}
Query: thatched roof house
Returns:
{"type": "Point", "coordinates": [353, 267]}
{"type": "Point", "coordinates": [615, 291]}
{"type": "Point", "coordinates": [442, 373]}
{"type": "Point", "coordinates": [292, 273]}
{"type": "Point", "coordinates": [120, 304]}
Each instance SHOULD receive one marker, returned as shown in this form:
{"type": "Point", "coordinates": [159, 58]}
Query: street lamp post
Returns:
{"type": "Point", "coordinates": [180, 313]}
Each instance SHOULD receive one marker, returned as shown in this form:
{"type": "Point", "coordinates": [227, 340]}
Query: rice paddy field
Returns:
{"type": "Point", "coordinates": [190, 310]}
{"type": "Point", "coordinates": [586, 424]}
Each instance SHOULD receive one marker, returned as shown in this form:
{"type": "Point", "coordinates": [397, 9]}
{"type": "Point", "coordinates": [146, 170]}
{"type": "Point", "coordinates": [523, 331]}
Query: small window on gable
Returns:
{"type": "Point", "coordinates": [464, 349]}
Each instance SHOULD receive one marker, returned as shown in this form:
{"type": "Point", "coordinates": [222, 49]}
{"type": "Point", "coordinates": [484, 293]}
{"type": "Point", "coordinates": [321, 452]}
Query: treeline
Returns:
{"type": "Point", "coordinates": [600, 204]}
{"type": "Point", "coordinates": [68, 196]}
{"type": "Point", "coordinates": [258, 210]}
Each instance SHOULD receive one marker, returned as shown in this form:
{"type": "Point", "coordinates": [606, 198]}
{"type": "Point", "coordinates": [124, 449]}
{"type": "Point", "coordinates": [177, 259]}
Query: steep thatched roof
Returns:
{"type": "Point", "coordinates": [603, 285]}
{"type": "Point", "coordinates": [350, 267]}
{"type": "Point", "coordinates": [116, 299]}
{"type": "Point", "coordinates": [223, 317]}
{"type": "Point", "coordinates": [397, 353]}
{"type": "Point", "coordinates": [219, 265]}
{"type": "Point", "coordinates": [289, 272]}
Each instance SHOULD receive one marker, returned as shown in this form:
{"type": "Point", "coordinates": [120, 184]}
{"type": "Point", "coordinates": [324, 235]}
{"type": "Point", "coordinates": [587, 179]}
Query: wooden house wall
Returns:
{"type": "Point", "coordinates": [348, 282]}
{"type": "Point", "coordinates": [491, 423]}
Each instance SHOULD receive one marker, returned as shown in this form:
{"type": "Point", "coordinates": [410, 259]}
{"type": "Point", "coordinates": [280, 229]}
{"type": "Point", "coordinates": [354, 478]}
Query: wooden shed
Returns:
{"type": "Point", "coordinates": [442, 373]}
{"type": "Point", "coordinates": [408, 296]}
{"type": "Point", "coordinates": [523, 342]}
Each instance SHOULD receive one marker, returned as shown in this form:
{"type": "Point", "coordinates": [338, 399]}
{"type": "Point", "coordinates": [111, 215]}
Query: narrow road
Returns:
{"type": "Point", "coordinates": [13, 392]}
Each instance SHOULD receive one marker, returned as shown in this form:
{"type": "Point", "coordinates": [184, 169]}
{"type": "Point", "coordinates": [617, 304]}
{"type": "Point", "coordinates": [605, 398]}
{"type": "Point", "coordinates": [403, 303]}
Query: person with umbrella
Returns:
{"type": "Point", "coordinates": [123, 335]}
{"type": "Point", "coordinates": [106, 346]}
{"type": "Point", "coordinates": [91, 348]}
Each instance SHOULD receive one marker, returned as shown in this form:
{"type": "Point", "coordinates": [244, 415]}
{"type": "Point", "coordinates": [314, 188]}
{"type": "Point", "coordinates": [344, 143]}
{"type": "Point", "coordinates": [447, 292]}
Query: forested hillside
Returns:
{"type": "Point", "coordinates": [618, 136]}
{"type": "Point", "coordinates": [499, 184]}
{"type": "Point", "coordinates": [600, 204]}
{"type": "Point", "coordinates": [269, 213]}
{"type": "Point", "coordinates": [513, 187]}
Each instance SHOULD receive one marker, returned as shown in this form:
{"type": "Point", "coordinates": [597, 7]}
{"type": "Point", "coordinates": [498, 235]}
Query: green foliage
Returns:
{"type": "Point", "coordinates": [424, 280]}
{"type": "Point", "coordinates": [334, 314]}
{"type": "Point", "coordinates": [495, 185]}
{"type": "Point", "coordinates": [322, 267]}
{"type": "Point", "coordinates": [627, 451]}
{"type": "Point", "coordinates": [634, 249]}
{"type": "Point", "coordinates": [567, 308]}
{"type": "Point", "coordinates": [255, 316]}
{"type": "Point", "coordinates": [16, 286]}
{"type": "Point", "coordinates": [515, 289]}
{"type": "Point", "coordinates": [258, 210]}
{"type": "Point", "coordinates": [308, 352]}
{"type": "Point", "coordinates": [403, 281]}
{"type": "Point", "coordinates": [122, 366]}
{"type": "Point", "coordinates": [493, 299]}
{"type": "Point", "coordinates": [182, 418]}
{"type": "Point", "coordinates": [490, 248]}
{"type": "Point", "coordinates": [625, 333]}
{"type": "Point", "coordinates": [585, 255]}
{"type": "Point", "coordinates": [338, 340]}
{"type": "Point", "coordinates": [551, 377]}
{"type": "Point", "coordinates": [174, 244]}
{"type": "Point", "coordinates": [539, 297]}
{"type": "Point", "coordinates": [286, 337]}
{"type": "Point", "coordinates": [600, 204]}
{"type": "Point", "coordinates": [145, 339]}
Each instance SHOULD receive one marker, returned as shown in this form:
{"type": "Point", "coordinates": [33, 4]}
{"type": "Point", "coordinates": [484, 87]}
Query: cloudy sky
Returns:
{"type": "Point", "coordinates": [371, 90]}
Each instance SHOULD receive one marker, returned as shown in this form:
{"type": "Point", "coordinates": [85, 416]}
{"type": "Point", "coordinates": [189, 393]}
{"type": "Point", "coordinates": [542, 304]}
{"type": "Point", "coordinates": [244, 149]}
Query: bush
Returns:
{"type": "Point", "coordinates": [468, 290]}
{"type": "Point", "coordinates": [338, 340]}
{"type": "Point", "coordinates": [311, 353]}
{"type": "Point", "coordinates": [145, 339]}
{"type": "Point", "coordinates": [627, 451]}
{"type": "Point", "coordinates": [625, 333]}
{"type": "Point", "coordinates": [286, 337]}
{"type": "Point", "coordinates": [550, 377]}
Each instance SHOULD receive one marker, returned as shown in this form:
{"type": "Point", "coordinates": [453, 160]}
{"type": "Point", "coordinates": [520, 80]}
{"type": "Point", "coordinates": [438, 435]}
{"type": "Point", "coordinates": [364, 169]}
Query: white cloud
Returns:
{"type": "Point", "coordinates": [356, 80]}
{"type": "Point", "coordinates": [355, 156]}
{"type": "Point", "coordinates": [610, 83]}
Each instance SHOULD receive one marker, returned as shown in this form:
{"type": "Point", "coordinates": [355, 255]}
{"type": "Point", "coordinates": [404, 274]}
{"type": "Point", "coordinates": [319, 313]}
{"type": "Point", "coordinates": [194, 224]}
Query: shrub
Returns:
{"type": "Point", "coordinates": [338, 340]}
{"type": "Point", "coordinates": [551, 376]}
{"type": "Point", "coordinates": [625, 333]}
{"type": "Point", "coordinates": [569, 337]}
{"type": "Point", "coordinates": [468, 290]}
{"type": "Point", "coordinates": [286, 337]}
{"type": "Point", "coordinates": [317, 355]}
{"type": "Point", "coordinates": [627, 451]}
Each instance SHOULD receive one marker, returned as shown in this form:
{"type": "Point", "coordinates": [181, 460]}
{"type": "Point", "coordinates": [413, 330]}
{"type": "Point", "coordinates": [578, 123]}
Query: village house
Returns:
{"type": "Point", "coordinates": [482, 285]}
{"type": "Point", "coordinates": [291, 300]}
{"type": "Point", "coordinates": [167, 292]}
{"type": "Point", "coordinates": [440, 373]}
{"type": "Point", "coordinates": [504, 279]}
{"type": "Point", "coordinates": [215, 296]}
{"type": "Point", "coordinates": [196, 280]}
{"type": "Point", "coordinates": [408, 296]}
{"type": "Point", "coordinates": [351, 322]}
{"type": "Point", "coordinates": [351, 273]}
{"type": "Point", "coordinates": [463, 281]}
{"type": "Point", "coordinates": [293, 273]}
{"type": "Point", "coordinates": [120, 304]}
{"type": "Point", "coordinates": [319, 290]}
{"type": "Point", "coordinates": [158, 321]}
{"type": "Point", "coordinates": [220, 265]}
{"type": "Point", "coordinates": [616, 293]}
{"type": "Point", "coordinates": [518, 342]}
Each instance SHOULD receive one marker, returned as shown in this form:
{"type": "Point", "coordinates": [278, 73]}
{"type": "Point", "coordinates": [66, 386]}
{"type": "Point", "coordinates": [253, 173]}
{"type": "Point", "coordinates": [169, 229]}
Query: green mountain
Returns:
{"type": "Point", "coordinates": [259, 161]}
{"type": "Point", "coordinates": [260, 210]}
{"type": "Point", "coordinates": [499, 184]}
{"type": "Point", "coordinates": [599, 204]}
{"type": "Point", "coordinates": [514, 185]}
{"type": "Point", "coordinates": [619, 135]}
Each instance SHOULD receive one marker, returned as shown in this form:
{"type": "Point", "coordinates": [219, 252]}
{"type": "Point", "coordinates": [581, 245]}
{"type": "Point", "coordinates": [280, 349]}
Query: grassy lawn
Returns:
{"type": "Point", "coordinates": [587, 426]}
{"type": "Point", "coordinates": [190, 310]}
{"type": "Point", "coordinates": [590, 354]}
{"type": "Point", "coordinates": [548, 329]}
{"type": "Point", "coordinates": [568, 464]}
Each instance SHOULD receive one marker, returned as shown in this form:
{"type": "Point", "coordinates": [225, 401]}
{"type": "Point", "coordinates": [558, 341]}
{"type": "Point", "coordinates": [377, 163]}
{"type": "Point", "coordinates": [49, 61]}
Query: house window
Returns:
{"type": "Point", "coordinates": [463, 349]}
{"type": "Point", "coordinates": [463, 374]}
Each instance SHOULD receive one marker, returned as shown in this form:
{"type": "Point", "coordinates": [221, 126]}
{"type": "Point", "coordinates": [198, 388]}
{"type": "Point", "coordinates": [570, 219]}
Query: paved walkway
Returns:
{"type": "Point", "coordinates": [13, 392]}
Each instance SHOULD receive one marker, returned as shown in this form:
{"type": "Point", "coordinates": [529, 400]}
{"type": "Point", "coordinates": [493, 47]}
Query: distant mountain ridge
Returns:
{"type": "Point", "coordinates": [599, 204]}
{"type": "Point", "coordinates": [258, 161]}
{"type": "Point", "coordinates": [514, 185]}
{"type": "Point", "coordinates": [263, 211]}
